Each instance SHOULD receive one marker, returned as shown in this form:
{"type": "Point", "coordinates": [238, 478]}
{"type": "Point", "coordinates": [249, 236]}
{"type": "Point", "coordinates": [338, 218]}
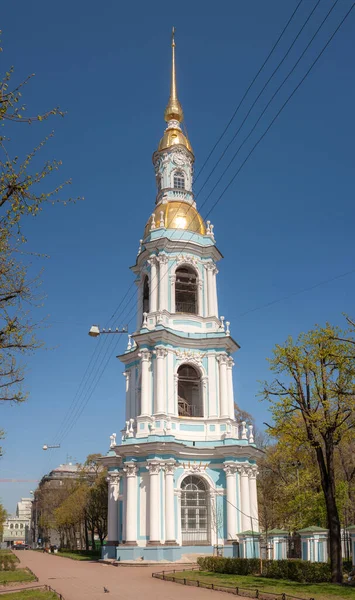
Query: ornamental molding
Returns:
{"type": "Point", "coordinates": [186, 259]}
{"type": "Point", "coordinates": [130, 469]}
{"type": "Point", "coordinates": [190, 356]}
{"type": "Point", "coordinates": [191, 468]}
{"type": "Point", "coordinates": [210, 266]}
{"type": "Point", "coordinates": [230, 362]}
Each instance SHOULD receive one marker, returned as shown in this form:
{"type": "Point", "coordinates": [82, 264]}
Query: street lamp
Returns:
{"type": "Point", "coordinates": [48, 446]}
{"type": "Point", "coordinates": [95, 330]}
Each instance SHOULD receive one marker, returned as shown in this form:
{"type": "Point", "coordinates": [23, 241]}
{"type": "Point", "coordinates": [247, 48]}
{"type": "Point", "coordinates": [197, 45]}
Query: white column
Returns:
{"type": "Point", "coordinates": [214, 285]}
{"type": "Point", "coordinates": [131, 503]}
{"type": "Point", "coordinates": [210, 295]}
{"type": "Point", "coordinates": [127, 375]}
{"type": "Point", "coordinates": [253, 498]}
{"type": "Point", "coordinates": [230, 365]}
{"type": "Point", "coordinates": [172, 293]}
{"type": "Point", "coordinates": [154, 468]}
{"type": "Point", "coordinates": [176, 407]}
{"type": "Point", "coordinates": [223, 385]}
{"type": "Point", "coordinates": [139, 303]}
{"type": "Point", "coordinates": [200, 306]}
{"type": "Point", "coordinates": [160, 390]}
{"type": "Point", "coordinates": [153, 284]}
{"type": "Point", "coordinates": [169, 503]}
{"type": "Point", "coordinates": [113, 480]}
{"type": "Point", "coordinates": [163, 281]}
{"type": "Point", "coordinates": [145, 357]}
{"type": "Point", "coordinates": [245, 499]}
{"type": "Point", "coordinates": [231, 478]}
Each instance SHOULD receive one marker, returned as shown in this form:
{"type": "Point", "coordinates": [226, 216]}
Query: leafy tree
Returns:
{"type": "Point", "coordinates": [21, 195]}
{"type": "Point", "coordinates": [3, 517]}
{"type": "Point", "coordinates": [315, 384]}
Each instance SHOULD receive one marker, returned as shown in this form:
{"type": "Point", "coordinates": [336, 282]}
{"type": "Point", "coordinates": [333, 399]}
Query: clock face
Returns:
{"type": "Point", "coordinates": [178, 159]}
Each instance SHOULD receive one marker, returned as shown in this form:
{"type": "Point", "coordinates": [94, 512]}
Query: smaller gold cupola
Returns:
{"type": "Point", "coordinates": [174, 115]}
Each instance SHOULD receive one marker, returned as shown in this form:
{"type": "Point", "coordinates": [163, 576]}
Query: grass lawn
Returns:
{"type": "Point", "coordinates": [30, 595]}
{"type": "Point", "coordinates": [318, 591]}
{"type": "Point", "coordinates": [18, 575]}
{"type": "Point", "coordinates": [82, 556]}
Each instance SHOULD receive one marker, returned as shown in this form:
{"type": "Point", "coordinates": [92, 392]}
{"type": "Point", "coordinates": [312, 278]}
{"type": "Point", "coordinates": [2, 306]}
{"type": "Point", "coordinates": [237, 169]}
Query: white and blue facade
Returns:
{"type": "Point", "coordinates": [183, 477]}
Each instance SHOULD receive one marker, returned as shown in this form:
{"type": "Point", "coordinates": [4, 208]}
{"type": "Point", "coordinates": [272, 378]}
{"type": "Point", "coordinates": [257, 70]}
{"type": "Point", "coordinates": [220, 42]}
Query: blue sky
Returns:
{"type": "Point", "coordinates": [285, 225]}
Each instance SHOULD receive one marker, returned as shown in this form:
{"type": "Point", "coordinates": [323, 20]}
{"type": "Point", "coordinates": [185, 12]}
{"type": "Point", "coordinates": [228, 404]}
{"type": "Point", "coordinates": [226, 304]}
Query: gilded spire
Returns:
{"type": "Point", "coordinates": [174, 109]}
{"type": "Point", "coordinates": [173, 134]}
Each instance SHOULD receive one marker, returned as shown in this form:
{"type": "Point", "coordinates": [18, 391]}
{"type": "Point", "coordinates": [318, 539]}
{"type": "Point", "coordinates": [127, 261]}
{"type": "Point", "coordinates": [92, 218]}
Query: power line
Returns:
{"type": "Point", "coordinates": [268, 128]}
{"type": "Point", "coordinates": [248, 89]}
{"type": "Point", "coordinates": [97, 349]}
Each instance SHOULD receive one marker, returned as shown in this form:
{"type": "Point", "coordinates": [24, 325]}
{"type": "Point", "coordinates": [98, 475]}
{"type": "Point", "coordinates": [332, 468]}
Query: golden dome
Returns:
{"type": "Point", "coordinates": [172, 137]}
{"type": "Point", "coordinates": [177, 215]}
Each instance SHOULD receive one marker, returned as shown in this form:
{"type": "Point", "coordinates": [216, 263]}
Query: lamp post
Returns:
{"type": "Point", "coordinates": [49, 446]}
{"type": "Point", "coordinates": [95, 330]}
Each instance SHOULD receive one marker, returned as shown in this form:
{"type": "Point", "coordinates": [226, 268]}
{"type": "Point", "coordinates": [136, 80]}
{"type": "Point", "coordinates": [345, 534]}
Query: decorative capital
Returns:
{"type": "Point", "coordinates": [253, 472]}
{"type": "Point", "coordinates": [145, 355]}
{"type": "Point", "coordinates": [130, 469]}
{"type": "Point", "coordinates": [113, 478]}
{"type": "Point", "coordinates": [152, 260]}
{"type": "Point", "coordinates": [222, 359]}
{"type": "Point", "coordinates": [160, 352]}
{"type": "Point", "coordinates": [245, 470]}
{"type": "Point", "coordinates": [170, 467]}
{"type": "Point", "coordinates": [210, 266]}
{"type": "Point", "coordinates": [154, 467]}
{"type": "Point", "coordinates": [230, 469]}
{"type": "Point", "coordinates": [230, 362]}
{"type": "Point", "coordinates": [162, 258]}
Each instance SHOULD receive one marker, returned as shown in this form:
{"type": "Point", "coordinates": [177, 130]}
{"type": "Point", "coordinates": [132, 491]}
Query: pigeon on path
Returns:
{"type": "Point", "coordinates": [106, 590]}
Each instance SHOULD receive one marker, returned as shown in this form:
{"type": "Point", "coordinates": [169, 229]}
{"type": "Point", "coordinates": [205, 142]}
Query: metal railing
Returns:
{"type": "Point", "coordinates": [186, 307]}
{"type": "Point", "coordinates": [44, 587]}
{"type": "Point", "coordinates": [236, 590]}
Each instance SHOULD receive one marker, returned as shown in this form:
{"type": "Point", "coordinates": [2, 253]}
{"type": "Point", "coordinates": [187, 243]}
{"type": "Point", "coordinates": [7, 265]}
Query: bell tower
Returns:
{"type": "Point", "coordinates": [183, 459]}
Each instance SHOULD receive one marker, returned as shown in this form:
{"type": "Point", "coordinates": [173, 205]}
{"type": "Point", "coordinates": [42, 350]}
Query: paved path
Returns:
{"type": "Point", "coordinates": [79, 580]}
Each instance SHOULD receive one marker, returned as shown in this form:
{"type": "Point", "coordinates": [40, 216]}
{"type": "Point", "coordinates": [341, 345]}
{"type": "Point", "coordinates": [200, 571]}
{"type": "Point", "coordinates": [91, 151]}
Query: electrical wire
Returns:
{"type": "Point", "coordinates": [263, 135]}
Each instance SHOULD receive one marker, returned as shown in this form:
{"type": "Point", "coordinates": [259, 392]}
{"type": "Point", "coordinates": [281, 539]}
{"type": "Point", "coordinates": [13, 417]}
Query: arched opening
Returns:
{"type": "Point", "coordinates": [195, 514]}
{"type": "Point", "coordinates": [190, 402]}
{"type": "Point", "coordinates": [146, 294]}
{"type": "Point", "coordinates": [179, 180]}
{"type": "Point", "coordinates": [186, 290]}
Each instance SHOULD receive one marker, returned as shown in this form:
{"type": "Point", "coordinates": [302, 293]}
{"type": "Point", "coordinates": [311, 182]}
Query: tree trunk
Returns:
{"type": "Point", "coordinates": [328, 485]}
{"type": "Point", "coordinates": [86, 533]}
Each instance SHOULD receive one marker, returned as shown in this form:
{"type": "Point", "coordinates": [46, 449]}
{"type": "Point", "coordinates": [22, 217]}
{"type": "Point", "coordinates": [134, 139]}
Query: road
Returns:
{"type": "Point", "coordinates": [79, 580]}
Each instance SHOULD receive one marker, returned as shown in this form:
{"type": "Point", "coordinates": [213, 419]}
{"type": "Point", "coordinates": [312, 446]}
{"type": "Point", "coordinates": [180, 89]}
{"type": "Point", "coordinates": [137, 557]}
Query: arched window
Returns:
{"type": "Point", "coordinates": [179, 180]}
{"type": "Point", "coordinates": [16, 525]}
{"type": "Point", "coordinates": [21, 525]}
{"type": "Point", "coordinates": [195, 526]}
{"type": "Point", "coordinates": [186, 290]}
{"type": "Point", "coordinates": [146, 294]}
{"type": "Point", "coordinates": [11, 525]}
{"type": "Point", "coordinates": [189, 392]}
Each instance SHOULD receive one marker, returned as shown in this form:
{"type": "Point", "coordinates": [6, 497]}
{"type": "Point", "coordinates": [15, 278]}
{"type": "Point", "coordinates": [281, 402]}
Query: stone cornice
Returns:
{"type": "Point", "coordinates": [179, 246]}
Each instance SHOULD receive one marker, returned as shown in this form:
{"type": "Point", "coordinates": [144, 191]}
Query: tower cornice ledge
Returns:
{"type": "Point", "coordinates": [170, 245]}
{"type": "Point", "coordinates": [165, 336]}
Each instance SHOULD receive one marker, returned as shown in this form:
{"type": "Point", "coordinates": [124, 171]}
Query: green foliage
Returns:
{"type": "Point", "coordinates": [19, 575]}
{"type": "Point", "coordinates": [294, 570]}
{"type": "Point", "coordinates": [3, 514]}
{"type": "Point", "coordinates": [22, 194]}
{"type": "Point", "coordinates": [312, 402]}
{"type": "Point", "coordinates": [30, 595]}
{"type": "Point", "coordinates": [233, 566]}
{"type": "Point", "coordinates": [8, 561]}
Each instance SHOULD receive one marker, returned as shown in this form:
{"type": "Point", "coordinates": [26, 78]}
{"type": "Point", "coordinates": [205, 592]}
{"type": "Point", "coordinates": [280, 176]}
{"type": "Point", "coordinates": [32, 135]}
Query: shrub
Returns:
{"type": "Point", "coordinates": [233, 566]}
{"type": "Point", "coordinates": [8, 562]}
{"type": "Point", "coordinates": [292, 569]}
